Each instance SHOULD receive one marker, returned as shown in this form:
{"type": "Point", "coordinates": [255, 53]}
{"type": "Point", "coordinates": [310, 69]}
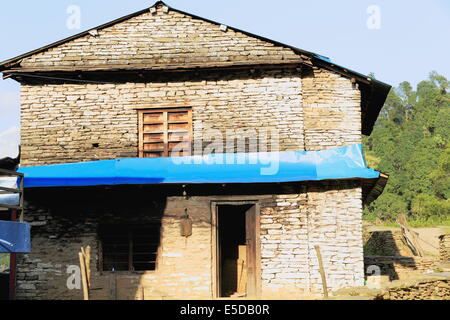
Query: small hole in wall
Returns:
{"type": "Point", "coordinates": [95, 145]}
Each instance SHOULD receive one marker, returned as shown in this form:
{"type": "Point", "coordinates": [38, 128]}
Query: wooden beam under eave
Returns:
{"type": "Point", "coordinates": [377, 189]}
{"type": "Point", "coordinates": [162, 67]}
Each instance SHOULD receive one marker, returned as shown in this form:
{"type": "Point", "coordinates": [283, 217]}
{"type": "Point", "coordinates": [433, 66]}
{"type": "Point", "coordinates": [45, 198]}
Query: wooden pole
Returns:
{"type": "Point", "coordinates": [83, 276]}
{"type": "Point", "coordinates": [410, 235]}
{"type": "Point", "coordinates": [88, 265]}
{"type": "Point", "coordinates": [12, 266]}
{"type": "Point", "coordinates": [322, 272]}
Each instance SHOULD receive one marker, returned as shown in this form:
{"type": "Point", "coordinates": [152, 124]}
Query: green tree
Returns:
{"type": "Point", "coordinates": [411, 142]}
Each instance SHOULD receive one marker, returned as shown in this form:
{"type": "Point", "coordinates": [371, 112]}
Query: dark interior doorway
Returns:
{"type": "Point", "coordinates": [236, 250]}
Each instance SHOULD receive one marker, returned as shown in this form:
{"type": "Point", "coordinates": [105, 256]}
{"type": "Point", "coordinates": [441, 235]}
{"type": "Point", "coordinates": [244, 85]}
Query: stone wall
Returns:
{"type": "Point", "coordinates": [161, 40]}
{"type": "Point", "coordinates": [433, 287]}
{"type": "Point", "coordinates": [60, 123]}
{"type": "Point", "coordinates": [332, 112]}
{"type": "Point", "coordinates": [183, 264]}
{"type": "Point", "coordinates": [80, 122]}
{"type": "Point", "coordinates": [444, 248]}
{"type": "Point", "coordinates": [291, 224]}
{"type": "Point", "coordinates": [398, 267]}
{"type": "Point", "coordinates": [385, 243]}
{"type": "Point", "coordinates": [312, 109]}
{"type": "Point", "coordinates": [323, 214]}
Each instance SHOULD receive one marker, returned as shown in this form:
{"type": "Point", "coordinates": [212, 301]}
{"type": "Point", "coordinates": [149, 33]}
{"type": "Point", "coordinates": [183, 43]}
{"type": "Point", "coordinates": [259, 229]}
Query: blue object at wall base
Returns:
{"type": "Point", "coordinates": [14, 237]}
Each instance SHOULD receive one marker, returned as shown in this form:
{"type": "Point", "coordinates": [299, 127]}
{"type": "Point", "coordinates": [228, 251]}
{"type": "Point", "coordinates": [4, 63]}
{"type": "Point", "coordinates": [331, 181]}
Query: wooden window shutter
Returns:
{"type": "Point", "coordinates": [165, 132]}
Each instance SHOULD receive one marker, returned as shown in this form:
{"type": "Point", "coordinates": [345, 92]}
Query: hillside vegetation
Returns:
{"type": "Point", "coordinates": [411, 143]}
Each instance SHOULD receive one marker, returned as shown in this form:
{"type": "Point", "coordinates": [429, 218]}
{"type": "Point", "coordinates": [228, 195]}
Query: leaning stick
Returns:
{"type": "Point", "coordinates": [83, 276]}
{"type": "Point", "coordinates": [322, 272]}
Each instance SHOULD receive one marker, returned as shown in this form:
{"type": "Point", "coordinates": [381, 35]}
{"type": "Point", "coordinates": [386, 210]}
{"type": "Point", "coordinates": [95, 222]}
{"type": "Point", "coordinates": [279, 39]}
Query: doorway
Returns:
{"type": "Point", "coordinates": [236, 250]}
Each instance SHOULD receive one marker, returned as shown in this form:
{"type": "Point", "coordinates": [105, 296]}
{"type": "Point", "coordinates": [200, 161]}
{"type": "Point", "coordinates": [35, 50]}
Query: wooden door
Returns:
{"type": "Point", "coordinates": [250, 211]}
{"type": "Point", "coordinates": [250, 235]}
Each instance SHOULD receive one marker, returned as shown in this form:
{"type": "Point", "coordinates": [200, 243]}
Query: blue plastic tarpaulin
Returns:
{"type": "Point", "coordinates": [14, 237]}
{"type": "Point", "coordinates": [263, 167]}
{"type": "Point", "coordinates": [10, 199]}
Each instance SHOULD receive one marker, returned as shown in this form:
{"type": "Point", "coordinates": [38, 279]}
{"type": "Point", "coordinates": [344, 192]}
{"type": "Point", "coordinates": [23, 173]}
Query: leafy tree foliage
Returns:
{"type": "Point", "coordinates": [411, 142]}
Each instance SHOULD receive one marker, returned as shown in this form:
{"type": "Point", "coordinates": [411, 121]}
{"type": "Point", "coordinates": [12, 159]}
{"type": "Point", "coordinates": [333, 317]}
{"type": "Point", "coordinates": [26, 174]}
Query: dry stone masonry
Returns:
{"type": "Point", "coordinates": [290, 227]}
{"type": "Point", "coordinates": [160, 41]}
{"type": "Point", "coordinates": [444, 248]}
{"type": "Point", "coordinates": [311, 108]}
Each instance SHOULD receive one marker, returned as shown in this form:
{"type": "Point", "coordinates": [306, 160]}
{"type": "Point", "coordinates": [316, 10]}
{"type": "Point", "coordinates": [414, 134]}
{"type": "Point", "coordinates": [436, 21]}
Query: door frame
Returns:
{"type": "Point", "coordinates": [215, 274]}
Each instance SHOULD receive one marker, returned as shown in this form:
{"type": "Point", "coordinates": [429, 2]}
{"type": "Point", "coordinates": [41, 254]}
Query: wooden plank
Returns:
{"type": "Point", "coordinates": [322, 272]}
{"type": "Point", "coordinates": [190, 132]}
{"type": "Point", "coordinates": [155, 116]}
{"type": "Point", "coordinates": [21, 196]}
{"type": "Point", "coordinates": [154, 127]}
{"type": "Point", "coordinates": [139, 67]}
{"type": "Point", "coordinates": [141, 133]}
{"type": "Point", "coordinates": [153, 137]}
{"type": "Point", "coordinates": [215, 250]}
{"type": "Point", "coordinates": [410, 236]}
{"type": "Point", "coordinates": [242, 270]}
{"type": "Point", "coordinates": [178, 116]}
{"type": "Point", "coordinates": [166, 135]}
{"type": "Point", "coordinates": [250, 234]}
{"type": "Point", "coordinates": [180, 106]}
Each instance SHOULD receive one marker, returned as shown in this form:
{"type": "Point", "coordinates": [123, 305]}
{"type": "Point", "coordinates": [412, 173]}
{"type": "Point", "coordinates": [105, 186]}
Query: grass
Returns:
{"type": "Point", "coordinates": [4, 261]}
{"type": "Point", "coordinates": [431, 222]}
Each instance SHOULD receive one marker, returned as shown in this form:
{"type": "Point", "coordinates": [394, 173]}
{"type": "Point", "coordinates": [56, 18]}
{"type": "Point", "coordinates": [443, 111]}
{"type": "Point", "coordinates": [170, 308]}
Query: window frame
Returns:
{"type": "Point", "coordinates": [165, 131]}
{"type": "Point", "coordinates": [130, 245]}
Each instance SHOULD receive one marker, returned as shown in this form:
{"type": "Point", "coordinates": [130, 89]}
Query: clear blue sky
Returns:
{"type": "Point", "coordinates": [413, 38]}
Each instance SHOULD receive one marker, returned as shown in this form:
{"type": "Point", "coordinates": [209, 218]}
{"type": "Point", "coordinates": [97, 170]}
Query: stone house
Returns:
{"type": "Point", "coordinates": [144, 85]}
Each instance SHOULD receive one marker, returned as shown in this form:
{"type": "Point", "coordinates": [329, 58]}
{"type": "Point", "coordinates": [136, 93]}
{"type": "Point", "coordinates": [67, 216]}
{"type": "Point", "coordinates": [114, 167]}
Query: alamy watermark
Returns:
{"type": "Point", "coordinates": [259, 147]}
{"type": "Point", "coordinates": [374, 19]}
{"type": "Point", "coordinates": [74, 278]}
{"type": "Point", "coordinates": [73, 21]}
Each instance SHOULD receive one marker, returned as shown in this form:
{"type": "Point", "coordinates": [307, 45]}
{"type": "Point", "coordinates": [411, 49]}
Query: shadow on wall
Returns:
{"type": "Point", "coordinates": [121, 225]}
{"type": "Point", "coordinates": [383, 243]}
{"type": "Point", "coordinates": [387, 250]}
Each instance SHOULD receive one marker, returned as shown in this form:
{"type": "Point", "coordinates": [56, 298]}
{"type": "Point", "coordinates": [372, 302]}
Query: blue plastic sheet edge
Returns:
{"type": "Point", "coordinates": [265, 167]}
{"type": "Point", "coordinates": [14, 237]}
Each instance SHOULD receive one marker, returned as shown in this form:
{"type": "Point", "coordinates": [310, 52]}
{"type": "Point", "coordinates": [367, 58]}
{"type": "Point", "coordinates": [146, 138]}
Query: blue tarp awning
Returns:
{"type": "Point", "coordinates": [263, 167]}
{"type": "Point", "coordinates": [14, 237]}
